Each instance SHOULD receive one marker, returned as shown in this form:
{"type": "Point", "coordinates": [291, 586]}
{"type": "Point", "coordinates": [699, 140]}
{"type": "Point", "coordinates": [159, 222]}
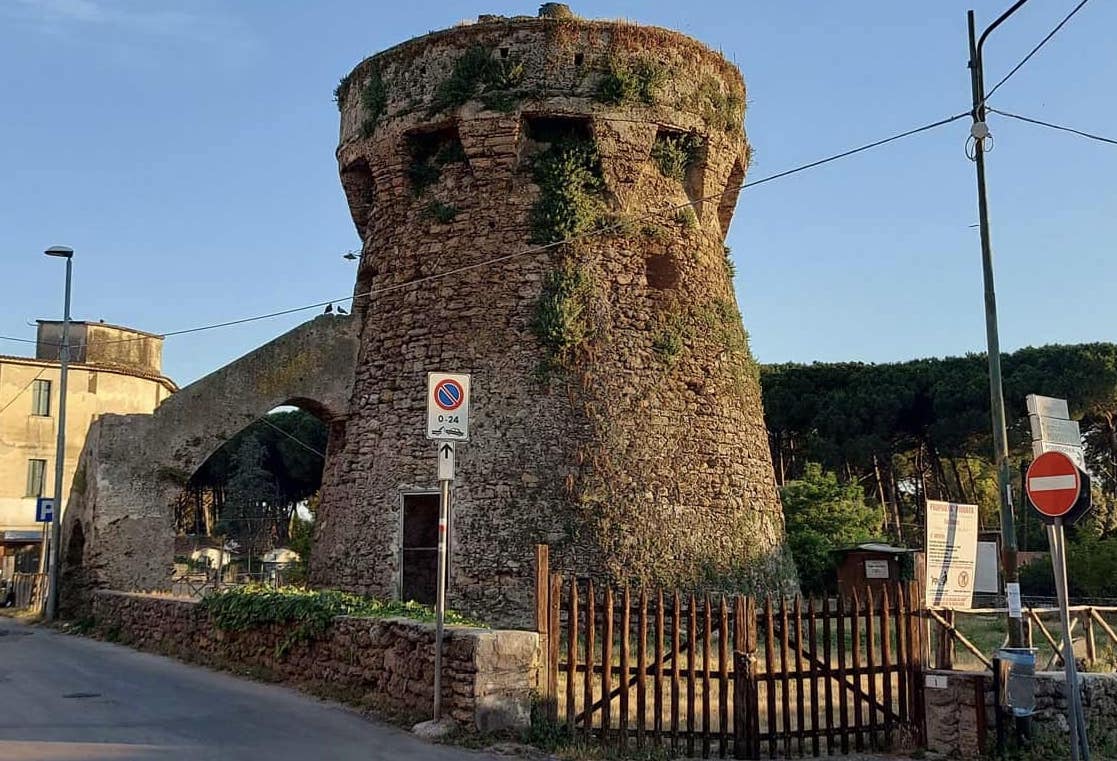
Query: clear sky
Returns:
{"type": "Point", "coordinates": [185, 149]}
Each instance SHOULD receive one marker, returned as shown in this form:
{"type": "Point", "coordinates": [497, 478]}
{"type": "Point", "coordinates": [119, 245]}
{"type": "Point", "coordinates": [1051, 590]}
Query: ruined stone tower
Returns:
{"type": "Point", "coordinates": [616, 411]}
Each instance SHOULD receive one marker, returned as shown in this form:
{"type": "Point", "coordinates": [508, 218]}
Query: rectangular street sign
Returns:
{"type": "Point", "coordinates": [447, 407]}
{"type": "Point", "coordinates": [445, 461]}
{"type": "Point", "coordinates": [1048, 406]}
{"type": "Point", "coordinates": [1073, 452]}
{"type": "Point", "coordinates": [1055, 430]}
{"type": "Point", "coordinates": [44, 509]}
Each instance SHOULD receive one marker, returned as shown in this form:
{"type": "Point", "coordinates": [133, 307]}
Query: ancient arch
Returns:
{"type": "Point", "coordinates": [133, 467]}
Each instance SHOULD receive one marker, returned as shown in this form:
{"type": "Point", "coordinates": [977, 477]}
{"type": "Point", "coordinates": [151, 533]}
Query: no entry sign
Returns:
{"type": "Point", "coordinates": [1056, 488]}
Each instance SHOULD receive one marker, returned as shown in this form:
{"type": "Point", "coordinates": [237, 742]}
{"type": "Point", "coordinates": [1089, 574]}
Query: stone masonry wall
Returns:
{"type": "Point", "coordinates": [952, 718]}
{"type": "Point", "coordinates": [386, 664]}
{"type": "Point", "coordinates": [645, 455]}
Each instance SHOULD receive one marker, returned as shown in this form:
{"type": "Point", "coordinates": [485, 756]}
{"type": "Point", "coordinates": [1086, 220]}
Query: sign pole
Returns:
{"type": "Point", "coordinates": [440, 597]}
{"type": "Point", "coordinates": [1057, 538]}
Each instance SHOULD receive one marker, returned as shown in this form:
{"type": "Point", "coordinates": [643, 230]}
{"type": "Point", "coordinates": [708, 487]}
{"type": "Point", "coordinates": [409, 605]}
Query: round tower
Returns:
{"type": "Point", "coordinates": [543, 204]}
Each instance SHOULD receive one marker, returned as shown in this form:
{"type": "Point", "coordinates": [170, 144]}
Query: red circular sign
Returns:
{"type": "Point", "coordinates": [449, 395]}
{"type": "Point", "coordinates": [1053, 484]}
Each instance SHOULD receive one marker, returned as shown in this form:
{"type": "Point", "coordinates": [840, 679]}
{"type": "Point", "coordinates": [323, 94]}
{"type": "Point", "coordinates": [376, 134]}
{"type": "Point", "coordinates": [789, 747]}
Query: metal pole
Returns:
{"type": "Point", "coordinates": [996, 389]}
{"type": "Point", "coordinates": [1056, 539]}
{"type": "Point", "coordinates": [440, 598]}
{"type": "Point", "coordinates": [59, 454]}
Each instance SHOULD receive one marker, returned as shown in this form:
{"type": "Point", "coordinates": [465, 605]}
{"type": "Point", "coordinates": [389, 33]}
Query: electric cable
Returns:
{"type": "Point", "coordinates": [1079, 132]}
{"type": "Point", "coordinates": [1034, 50]}
{"type": "Point", "coordinates": [597, 231]}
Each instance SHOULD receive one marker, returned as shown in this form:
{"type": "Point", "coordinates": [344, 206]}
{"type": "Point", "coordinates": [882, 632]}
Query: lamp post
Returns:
{"type": "Point", "coordinates": [60, 448]}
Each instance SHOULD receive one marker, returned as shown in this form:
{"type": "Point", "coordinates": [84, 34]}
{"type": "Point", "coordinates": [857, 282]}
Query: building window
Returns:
{"type": "Point", "coordinates": [40, 398]}
{"type": "Point", "coordinates": [92, 383]}
{"type": "Point", "coordinates": [36, 472]}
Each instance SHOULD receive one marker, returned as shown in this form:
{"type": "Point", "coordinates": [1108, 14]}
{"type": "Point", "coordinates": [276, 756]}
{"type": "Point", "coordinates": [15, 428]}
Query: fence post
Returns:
{"type": "Point", "coordinates": [945, 656]}
{"type": "Point", "coordinates": [543, 617]}
{"type": "Point", "coordinates": [745, 743]}
{"type": "Point", "coordinates": [1091, 644]}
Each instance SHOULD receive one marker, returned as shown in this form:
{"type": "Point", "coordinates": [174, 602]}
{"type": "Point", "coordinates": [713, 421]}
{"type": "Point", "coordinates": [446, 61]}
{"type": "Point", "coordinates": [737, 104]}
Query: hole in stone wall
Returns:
{"type": "Point", "coordinates": [504, 52]}
{"type": "Point", "coordinates": [360, 192]}
{"type": "Point", "coordinates": [728, 200]}
{"type": "Point", "coordinates": [431, 151]}
{"type": "Point", "coordinates": [579, 59]}
{"type": "Point", "coordinates": [541, 132]}
{"type": "Point", "coordinates": [662, 272]}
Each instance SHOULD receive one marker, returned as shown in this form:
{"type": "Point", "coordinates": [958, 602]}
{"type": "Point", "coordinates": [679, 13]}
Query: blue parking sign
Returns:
{"type": "Point", "coordinates": [44, 509]}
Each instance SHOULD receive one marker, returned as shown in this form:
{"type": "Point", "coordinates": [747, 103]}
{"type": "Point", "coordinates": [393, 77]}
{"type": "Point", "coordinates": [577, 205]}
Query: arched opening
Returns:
{"type": "Point", "coordinates": [246, 514]}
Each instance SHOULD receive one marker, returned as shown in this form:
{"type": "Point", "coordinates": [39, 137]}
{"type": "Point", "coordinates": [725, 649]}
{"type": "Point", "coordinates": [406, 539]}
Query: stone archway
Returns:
{"type": "Point", "coordinates": [133, 467]}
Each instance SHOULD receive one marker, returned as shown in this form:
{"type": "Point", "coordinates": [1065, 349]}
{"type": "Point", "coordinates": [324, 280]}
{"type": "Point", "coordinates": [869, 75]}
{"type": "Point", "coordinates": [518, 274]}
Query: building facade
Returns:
{"type": "Point", "coordinates": [112, 369]}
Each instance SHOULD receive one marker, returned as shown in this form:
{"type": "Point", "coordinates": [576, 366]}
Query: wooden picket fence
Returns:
{"type": "Point", "coordinates": [731, 676]}
{"type": "Point", "coordinates": [30, 589]}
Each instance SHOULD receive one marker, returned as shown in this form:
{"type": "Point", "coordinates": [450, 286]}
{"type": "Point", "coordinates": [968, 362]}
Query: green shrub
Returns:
{"type": "Point", "coordinates": [308, 612]}
{"type": "Point", "coordinates": [374, 100]}
{"type": "Point", "coordinates": [560, 312]}
{"type": "Point", "coordinates": [730, 267]}
{"type": "Point", "coordinates": [633, 81]}
{"type": "Point", "coordinates": [675, 154]}
{"type": "Point", "coordinates": [341, 91]}
{"type": "Point", "coordinates": [571, 187]}
{"type": "Point", "coordinates": [687, 218]}
{"type": "Point", "coordinates": [720, 111]}
{"type": "Point", "coordinates": [441, 212]}
{"type": "Point", "coordinates": [668, 344]}
{"type": "Point", "coordinates": [428, 157]}
{"type": "Point", "coordinates": [478, 73]}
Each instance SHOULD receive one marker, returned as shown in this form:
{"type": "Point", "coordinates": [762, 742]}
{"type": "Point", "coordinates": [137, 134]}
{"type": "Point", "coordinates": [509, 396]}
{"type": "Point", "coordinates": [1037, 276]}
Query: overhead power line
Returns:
{"type": "Point", "coordinates": [597, 231]}
{"type": "Point", "coordinates": [1079, 132]}
{"type": "Point", "coordinates": [1034, 50]}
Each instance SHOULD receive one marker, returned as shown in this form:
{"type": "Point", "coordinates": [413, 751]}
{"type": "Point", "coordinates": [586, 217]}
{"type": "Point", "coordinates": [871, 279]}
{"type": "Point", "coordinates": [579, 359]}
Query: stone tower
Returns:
{"type": "Point", "coordinates": [616, 411]}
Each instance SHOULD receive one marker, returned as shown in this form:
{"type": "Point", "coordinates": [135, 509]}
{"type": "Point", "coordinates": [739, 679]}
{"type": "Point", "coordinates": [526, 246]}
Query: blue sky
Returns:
{"type": "Point", "coordinates": [185, 150]}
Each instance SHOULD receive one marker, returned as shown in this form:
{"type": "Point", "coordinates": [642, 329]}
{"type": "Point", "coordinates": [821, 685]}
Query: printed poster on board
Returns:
{"type": "Point", "coordinates": [951, 550]}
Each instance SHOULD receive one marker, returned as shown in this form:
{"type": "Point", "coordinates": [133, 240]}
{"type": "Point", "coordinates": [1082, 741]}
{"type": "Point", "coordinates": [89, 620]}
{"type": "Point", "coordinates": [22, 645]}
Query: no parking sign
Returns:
{"type": "Point", "coordinates": [447, 407]}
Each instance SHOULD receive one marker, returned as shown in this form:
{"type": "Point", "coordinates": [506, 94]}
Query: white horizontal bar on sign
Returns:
{"type": "Point", "coordinates": [1051, 483]}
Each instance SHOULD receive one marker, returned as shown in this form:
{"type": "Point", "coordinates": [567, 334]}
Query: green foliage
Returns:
{"type": "Point", "coordinates": [823, 515]}
{"type": "Point", "coordinates": [571, 189]}
{"type": "Point", "coordinates": [1091, 569]}
{"type": "Point", "coordinates": [544, 732]}
{"type": "Point", "coordinates": [441, 212]}
{"type": "Point", "coordinates": [668, 344]}
{"type": "Point", "coordinates": [687, 218]}
{"type": "Point", "coordinates": [429, 154]}
{"type": "Point", "coordinates": [560, 314]}
{"type": "Point", "coordinates": [675, 154]}
{"type": "Point", "coordinates": [477, 73]}
{"type": "Point", "coordinates": [730, 266]}
{"type": "Point", "coordinates": [341, 91]}
{"type": "Point", "coordinates": [307, 612]}
{"type": "Point", "coordinates": [422, 173]}
{"type": "Point", "coordinates": [374, 100]}
{"type": "Point", "coordinates": [719, 110]}
{"type": "Point", "coordinates": [638, 80]}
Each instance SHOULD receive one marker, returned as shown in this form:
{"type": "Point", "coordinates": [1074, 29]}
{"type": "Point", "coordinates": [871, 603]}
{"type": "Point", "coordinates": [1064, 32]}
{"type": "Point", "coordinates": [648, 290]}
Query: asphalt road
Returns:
{"type": "Point", "coordinates": [67, 698]}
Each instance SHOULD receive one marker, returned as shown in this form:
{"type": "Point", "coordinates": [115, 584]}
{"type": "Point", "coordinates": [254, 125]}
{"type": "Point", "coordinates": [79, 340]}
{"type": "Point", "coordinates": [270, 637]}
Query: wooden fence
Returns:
{"type": "Point", "coordinates": [1086, 621]}
{"type": "Point", "coordinates": [730, 676]}
{"type": "Point", "coordinates": [30, 589]}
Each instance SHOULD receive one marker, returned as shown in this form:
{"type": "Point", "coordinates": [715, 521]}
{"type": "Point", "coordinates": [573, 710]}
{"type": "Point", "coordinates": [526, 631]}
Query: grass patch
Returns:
{"type": "Point", "coordinates": [687, 218]}
{"type": "Point", "coordinates": [668, 344]}
{"type": "Point", "coordinates": [308, 612]}
{"type": "Point", "coordinates": [730, 267]}
{"type": "Point", "coordinates": [560, 314]}
{"type": "Point", "coordinates": [430, 152]}
{"type": "Point", "coordinates": [719, 110]}
{"type": "Point", "coordinates": [635, 81]}
{"type": "Point", "coordinates": [342, 91]}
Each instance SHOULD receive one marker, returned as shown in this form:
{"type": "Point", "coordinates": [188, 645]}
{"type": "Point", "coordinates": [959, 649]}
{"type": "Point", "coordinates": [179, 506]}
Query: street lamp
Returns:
{"type": "Point", "coordinates": [63, 252]}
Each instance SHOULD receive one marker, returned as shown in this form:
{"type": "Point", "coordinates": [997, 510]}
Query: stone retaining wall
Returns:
{"type": "Point", "coordinates": [386, 665]}
{"type": "Point", "coordinates": [952, 713]}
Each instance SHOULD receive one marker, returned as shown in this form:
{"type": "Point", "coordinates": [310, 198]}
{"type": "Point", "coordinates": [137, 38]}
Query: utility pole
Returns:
{"type": "Point", "coordinates": [60, 448]}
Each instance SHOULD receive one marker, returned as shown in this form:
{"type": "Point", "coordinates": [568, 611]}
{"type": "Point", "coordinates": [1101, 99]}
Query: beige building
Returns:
{"type": "Point", "coordinates": [112, 369]}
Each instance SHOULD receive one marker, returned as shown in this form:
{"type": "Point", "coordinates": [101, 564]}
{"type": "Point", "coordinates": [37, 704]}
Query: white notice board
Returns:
{"type": "Point", "coordinates": [951, 548]}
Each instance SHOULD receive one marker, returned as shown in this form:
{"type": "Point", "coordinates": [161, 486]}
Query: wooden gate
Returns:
{"type": "Point", "coordinates": [730, 676]}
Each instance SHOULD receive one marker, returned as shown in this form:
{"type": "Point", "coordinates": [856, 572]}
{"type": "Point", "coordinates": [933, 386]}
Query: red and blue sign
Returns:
{"type": "Point", "coordinates": [449, 395]}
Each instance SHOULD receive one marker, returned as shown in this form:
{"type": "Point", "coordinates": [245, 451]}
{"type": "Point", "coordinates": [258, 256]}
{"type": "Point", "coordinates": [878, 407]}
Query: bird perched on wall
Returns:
{"type": "Point", "coordinates": [341, 310]}
{"type": "Point", "coordinates": [329, 309]}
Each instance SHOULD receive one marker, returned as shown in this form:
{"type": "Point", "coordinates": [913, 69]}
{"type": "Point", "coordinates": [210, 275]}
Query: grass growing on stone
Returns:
{"type": "Point", "coordinates": [675, 154]}
{"type": "Point", "coordinates": [374, 99]}
{"type": "Point", "coordinates": [309, 612]}
{"type": "Point", "coordinates": [636, 81]}
{"type": "Point", "coordinates": [571, 190]}
{"type": "Point", "coordinates": [559, 321]}
{"type": "Point", "coordinates": [478, 73]}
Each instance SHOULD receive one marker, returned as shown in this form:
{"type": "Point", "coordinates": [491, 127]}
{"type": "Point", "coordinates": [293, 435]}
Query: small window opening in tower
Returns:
{"type": "Point", "coordinates": [541, 132]}
{"type": "Point", "coordinates": [579, 59]}
{"type": "Point", "coordinates": [432, 152]}
{"type": "Point", "coordinates": [504, 52]}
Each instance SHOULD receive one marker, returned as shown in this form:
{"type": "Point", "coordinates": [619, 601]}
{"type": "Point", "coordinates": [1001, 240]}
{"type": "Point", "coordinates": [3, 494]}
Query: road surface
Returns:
{"type": "Point", "coordinates": [67, 698]}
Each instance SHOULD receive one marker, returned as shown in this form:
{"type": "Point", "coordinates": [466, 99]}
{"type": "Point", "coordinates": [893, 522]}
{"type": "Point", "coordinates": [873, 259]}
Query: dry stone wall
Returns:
{"type": "Point", "coordinates": [385, 664]}
{"type": "Point", "coordinates": [953, 728]}
{"type": "Point", "coordinates": [626, 432]}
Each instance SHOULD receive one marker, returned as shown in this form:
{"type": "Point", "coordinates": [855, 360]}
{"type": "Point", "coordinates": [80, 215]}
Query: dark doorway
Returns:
{"type": "Point", "coordinates": [420, 548]}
